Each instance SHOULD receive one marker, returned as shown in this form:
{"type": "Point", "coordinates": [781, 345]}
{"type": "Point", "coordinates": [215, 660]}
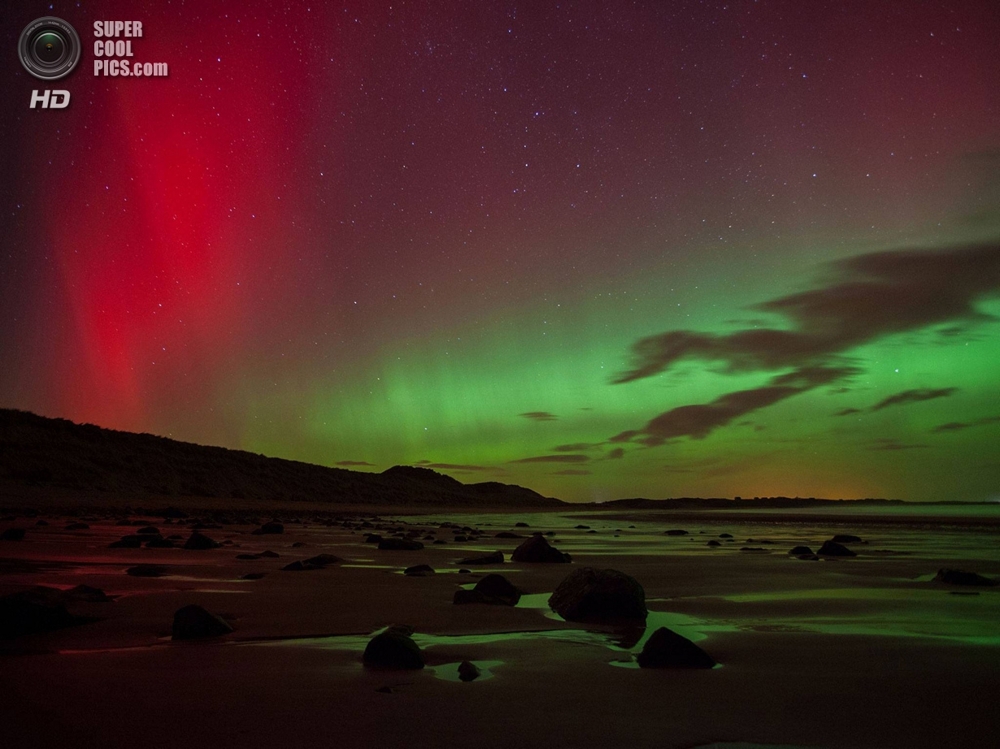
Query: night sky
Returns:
{"type": "Point", "coordinates": [598, 249]}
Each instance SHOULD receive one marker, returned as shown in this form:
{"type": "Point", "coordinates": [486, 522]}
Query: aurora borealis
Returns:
{"type": "Point", "coordinates": [634, 249]}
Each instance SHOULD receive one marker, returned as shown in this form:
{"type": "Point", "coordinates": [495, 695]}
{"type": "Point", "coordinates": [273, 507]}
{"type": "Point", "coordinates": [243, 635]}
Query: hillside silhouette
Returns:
{"type": "Point", "coordinates": [42, 453]}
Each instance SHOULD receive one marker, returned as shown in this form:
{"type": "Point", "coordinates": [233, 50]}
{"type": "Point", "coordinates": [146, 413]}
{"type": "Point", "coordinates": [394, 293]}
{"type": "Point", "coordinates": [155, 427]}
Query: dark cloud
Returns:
{"type": "Point", "coordinates": [354, 463]}
{"type": "Point", "coordinates": [539, 416]}
{"type": "Point", "coordinates": [848, 412]}
{"type": "Point", "coordinates": [699, 421]}
{"type": "Point", "coordinates": [616, 454]}
{"type": "Point", "coordinates": [576, 447]}
{"type": "Point", "coordinates": [913, 396]}
{"type": "Point", "coordinates": [956, 426]}
{"type": "Point", "coordinates": [554, 459]}
{"type": "Point", "coordinates": [571, 472]}
{"type": "Point", "coordinates": [892, 444]}
{"type": "Point", "coordinates": [869, 297]}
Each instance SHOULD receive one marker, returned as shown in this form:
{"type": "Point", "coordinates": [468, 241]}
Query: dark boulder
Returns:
{"type": "Point", "coordinates": [667, 649]}
{"type": "Point", "coordinates": [87, 594]}
{"type": "Point", "coordinates": [200, 542]}
{"type": "Point", "coordinates": [961, 577]}
{"type": "Point", "coordinates": [800, 551]}
{"type": "Point", "coordinates": [128, 542]}
{"type": "Point", "coordinates": [675, 532]}
{"type": "Point", "coordinates": [468, 671]}
{"type": "Point", "coordinates": [248, 556]}
{"type": "Point", "coordinates": [146, 570]}
{"type": "Point", "coordinates": [157, 542]}
{"type": "Point", "coordinates": [495, 558]}
{"type": "Point", "coordinates": [373, 538]}
{"type": "Point", "coordinates": [77, 527]}
{"type": "Point", "coordinates": [833, 549]}
{"type": "Point", "coordinates": [537, 549]}
{"type": "Point", "coordinates": [323, 560]}
{"type": "Point", "coordinates": [399, 544]}
{"type": "Point", "coordinates": [12, 534]}
{"type": "Point", "coordinates": [393, 649]}
{"type": "Point", "coordinates": [40, 609]}
{"type": "Point", "coordinates": [193, 622]}
{"type": "Point", "coordinates": [725, 535]}
{"type": "Point", "coordinates": [521, 524]}
{"type": "Point", "coordinates": [492, 589]}
{"type": "Point", "coordinates": [270, 528]}
{"type": "Point", "coordinates": [847, 538]}
{"type": "Point", "coordinates": [268, 554]}
{"type": "Point", "coordinates": [148, 530]}
{"type": "Point", "coordinates": [589, 594]}
{"type": "Point", "coordinates": [508, 534]}
{"type": "Point", "coordinates": [713, 542]}
{"type": "Point", "coordinates": [419, 570]}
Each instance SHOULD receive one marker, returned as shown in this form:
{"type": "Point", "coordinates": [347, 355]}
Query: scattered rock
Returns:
{"type": "Point", "coordinates": [725, 535]}
{"type": "Point", "coordinates": [834, 549]}
{"type": "Point", "coordinates": [393, 649]}
{"type": "Point", "coordinates": [713, 542]}
{"type": "Point", "coordinates": [495, 558]}
{"type": "Point", "coordinates": [675, 532]}
{"type": "Point", "coordinates": [193, 622]}
{"type": "Point", "coordinates": [158, 542]}
{"type": "Point", "coordinates": [298, 544]}
{"type": "Point", "coordinates": [961, 577]}
{"type": "Point", "coordinates": [248, 556]}
{"type": "Point", "coordinates": [87, 594]}
{"type": "Point", "coordinates": [40, 609]}
{"type": "Point", "coordinates": [148, 530]}
{"type": "Point", "coordinates": [12, 534]}
{"type": "Point", "coordinates": [468, 671]}
{"type": "Point", "coordinates": [399, 544]}
{"type": "Point", "coordinates": [508, 534]}
{"type": "Point", "coordinates": [537, 549]}
{"type": "Point", "coordinates": [419, 570]}
{"type": "Point", "coordinates": [373, 538]}
{"type": "Point", "coordinates": [200, 542]}
{"type": "Point", "coordinates": [589, 594]}
{"type": "Point", "coordinates": [520, 524]}
{"type": "Point", "coordinates": [269, 554]}
{"type": "Point", "coordinates": [127, 542]}
{"type": "Point", "coordinates": [800, 551]}
{"type": "Point", "coordinates": [493, 589]}
{"type": "Point", "coordinates": [323, 560]}
{"type": "Point", "coordinates": [667, 649]}
{"type": "Point", "coordinates": [582, 527]}
{"type": "Point", "coordinates": [146, 570]}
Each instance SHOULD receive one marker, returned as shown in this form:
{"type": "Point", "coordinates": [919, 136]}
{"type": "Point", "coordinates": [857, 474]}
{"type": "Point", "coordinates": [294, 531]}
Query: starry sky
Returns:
{"type": "Point", "coordinates": [602, 250]}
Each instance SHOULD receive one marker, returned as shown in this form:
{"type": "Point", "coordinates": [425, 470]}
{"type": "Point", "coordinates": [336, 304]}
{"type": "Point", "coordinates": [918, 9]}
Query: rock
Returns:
{"type": "Point", "coordinates": [200, 542]}
{"type": "Point", "coordinates": [12, 534]}
{"type": "Point", "coordinates": [127, 542]}
{"type": "Point", "coordinates": [146, 570]}
{"type": "Point", "coordinates": [269, 554]}
{"type": "Point", "coordinates": [393, 649]}
{"type": "Point", "coordinates": [508, 534]}
{"type": "Point", "coordinates": [323, 560]}
{"type": "Point", "coordinates": [253, 576]}
{"type": "Point", "coordinates": [468, 671]}
{"type": "Point", "coordinates": [495, 558]}
{"type": "Point", "coordinates": [582, 527]}
{"type": "Point", "coordinates": [193, 622]}
{"type": "Point", "coordinates": [492, 589]}
{"type": "Point", "coordinates": [40, 609]}
{"type": "Point", "coordinates": [961, 577]}
{"type": "Point", "coordinates": [833, 549]}
{"type": "Point", "coordinates": [757, 549]}
{"type": "Point", "coordinates": [77, 527]}
{"type": "Point", "coordinates": [520, 524]}
{"type": "Point", "coordinates": [537, 549]}
{"type": "Point", "coordinates": [399, 544]}
{"type": "Point", "coordinates": [419, 570]}
{"type": "Point", "coordinates": [725, 535]}
{"type": "Point", "coordinates": [675, 532]}
{"type": "Point", "coordinates": [464, 571]}
{"type": "Point", "coordinates": [248, 556]}
{"type": "Point", "coordinates": [847, 538]}
{"type": "Point", "coordinates": [270, 528]}
{"type": "Point", "coordinates": [87, 594]}
{"type": "Point", "coordinates": [373, 538]}
{"type": "Point", "coordinates": [713, 542]}
{"type": "Point", "coordinates": [800, 551]}
{"type": "Point", "coordinates": [589, 594]}
{"type": "Point", "coordinates": [298, 544]}
{"type": "Point", "coordinates": [667, 649]}
{"type": "Point", "coordinates": [148, 530]}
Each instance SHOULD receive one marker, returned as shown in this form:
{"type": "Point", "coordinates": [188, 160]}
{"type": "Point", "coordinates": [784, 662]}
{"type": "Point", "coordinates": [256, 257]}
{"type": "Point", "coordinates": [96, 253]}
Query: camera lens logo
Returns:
{"type": "Point", "coordinates": [49, 48]}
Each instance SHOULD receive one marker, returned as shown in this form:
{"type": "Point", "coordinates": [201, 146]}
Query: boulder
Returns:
{"type": "Point", "coordinates": [800, 551]}
{"type": "Point", "coordinates": [495, 558]}
{"type": "Point", "coordinates": [193, 622]}
{"type": "Point", "coordinates": [12, 534]}
{"type": "Point", "coordinates": [128, 542]}
{"type": "Point", "coordinates": [270, 528]}
{"type": "Point", "coordinates": [87, 594]}
{"type": "Point", "coordinates": [537, 549]}
{"type": "Point", "coordinates": [508, 534]}
{"type": "Point", "coordinates": [77, 527]}
{"type": "Point", "coordinates": [323, 560]}
{"type": "Point", "coordinates": [40, 609]}
{"type": "Point", "coordinates": [399, 544]}
{"type": "Point", "coordinates": [158, 542]}
{"type": "Point", "coordinates": [667, 649]}
{"type": "Point", "coordinates": [200, 542]}
{"type": "Point", "coordinates": [713, 542]}
{"type": "Point", "coordinates": [468, 671]}
{"type": "Point", "coordinates": [847, 538]}
{"type": "Point", "coordinates": [373, 538]}
{"type": "Point", "coordinates": [393, 649]}
{"type": "Point", "coordinates": [148, 530]}
{"type": "Point", "coordinates": [492, 589]}
{"type": "Point", "coordinates": [834, 549]}
{"type": "Point", "coordinates": [146, 570]}
{"type": "Point", "coordinates": [589, 594]}
{"type": "Point", "coordinates": [268, 554]}
{"type": "Point", "coordinates": [961, 577]}
{"type": "Point", "coordinates": [419, 570]}
{"type": "Point", "coordinates": [675, 532]}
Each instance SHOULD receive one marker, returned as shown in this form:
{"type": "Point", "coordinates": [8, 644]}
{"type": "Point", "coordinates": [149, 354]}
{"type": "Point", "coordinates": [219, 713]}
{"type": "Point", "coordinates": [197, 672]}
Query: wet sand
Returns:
{"type": "Point", "coordinates": [856, 652]}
